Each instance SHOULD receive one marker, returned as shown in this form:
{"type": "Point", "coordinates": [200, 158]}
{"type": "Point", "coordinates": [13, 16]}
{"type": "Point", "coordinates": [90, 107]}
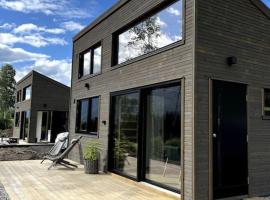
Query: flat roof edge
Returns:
{"type": "Point", "coordinates": [101, 18]}
{"type": "Point", "coordinates": [33, 72]}
{"type": "Point", "coordinates": [50, 79]}
{"type": "Point", "coordinates": [25, 77]}
{"type": "Point", "coordinates": [262, 7]}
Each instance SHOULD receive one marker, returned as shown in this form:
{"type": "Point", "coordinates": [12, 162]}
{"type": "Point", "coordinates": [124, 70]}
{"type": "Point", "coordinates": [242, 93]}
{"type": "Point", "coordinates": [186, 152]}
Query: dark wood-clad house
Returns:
{"type": "Point", "coordinates": [41, 108]}
{"type": "Point", "coordinates": [178, 94]}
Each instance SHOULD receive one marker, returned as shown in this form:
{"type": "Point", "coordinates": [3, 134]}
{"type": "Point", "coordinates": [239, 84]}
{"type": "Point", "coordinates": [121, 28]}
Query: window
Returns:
{"type": "Point", "coordinates": [146, 134]}
{"type": "Point", "coordinates": [154, 32]}
{"type": "Point", "coordinates": [19, 95]}
{"type": "Point", "coordinates": [17, 119]}
{"type": "Point", "coordinates": [27, 93]}
{"type": "Point", "coordinates": [266, 102]}
{"type": "Point", "coordinates": [87, 115]}
{"type": "Point", "coordinates": [90, 61]}
{"type": "Point", "coordinates": [125, 132]}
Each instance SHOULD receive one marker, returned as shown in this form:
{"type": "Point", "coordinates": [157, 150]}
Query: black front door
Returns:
{"type": "Point", "coordinates": [230, 171]}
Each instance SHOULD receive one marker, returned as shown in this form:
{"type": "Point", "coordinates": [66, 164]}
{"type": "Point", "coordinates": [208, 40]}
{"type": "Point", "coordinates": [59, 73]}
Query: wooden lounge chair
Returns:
{"type": "Point", "coordinates": [60, 159]}
{"type": "Point", "coordinates": [56, 149]}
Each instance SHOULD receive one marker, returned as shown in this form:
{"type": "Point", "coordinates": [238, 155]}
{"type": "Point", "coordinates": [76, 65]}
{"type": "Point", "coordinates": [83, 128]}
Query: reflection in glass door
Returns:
{"type": "Point", "coordinates": [151, 145]}
{"type": "Point", "coordinates": [163, 130]}
{"type": "Point", "coordinates": [125, 133]}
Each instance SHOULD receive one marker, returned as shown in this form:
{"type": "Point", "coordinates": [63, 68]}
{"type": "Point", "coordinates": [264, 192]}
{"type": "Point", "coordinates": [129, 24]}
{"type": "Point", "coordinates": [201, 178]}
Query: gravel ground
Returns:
{"type": "Point", "coordinates": [3, 193]}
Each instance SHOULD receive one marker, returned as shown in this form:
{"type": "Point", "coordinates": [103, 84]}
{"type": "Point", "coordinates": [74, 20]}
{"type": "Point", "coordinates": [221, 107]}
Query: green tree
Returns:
{"type": "Point", "coordinates": [7, 92]}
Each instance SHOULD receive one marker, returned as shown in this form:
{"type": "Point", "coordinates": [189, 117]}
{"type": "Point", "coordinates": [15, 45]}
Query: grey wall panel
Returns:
{"type": "Point", "coordinates": [233, 28]}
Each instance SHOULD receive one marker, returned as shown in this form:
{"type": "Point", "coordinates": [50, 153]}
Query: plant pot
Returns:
{"type": "Point", "coordinates": [91, 166]}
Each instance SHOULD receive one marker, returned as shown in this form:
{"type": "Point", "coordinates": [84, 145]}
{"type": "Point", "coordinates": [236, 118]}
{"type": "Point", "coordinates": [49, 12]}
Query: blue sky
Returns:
{"type": "Point", "coordinates": [267, 2]}
{"type": "Point", "coordinates": [37, 34]}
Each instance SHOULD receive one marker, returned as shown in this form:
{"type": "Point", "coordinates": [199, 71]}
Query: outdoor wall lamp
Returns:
{"type": "Point", "coordinates": [87, 86]}
{"type": "Point", "coordinates": [232, 60]}
{"type": "Point", "coordinates": [104, 122]}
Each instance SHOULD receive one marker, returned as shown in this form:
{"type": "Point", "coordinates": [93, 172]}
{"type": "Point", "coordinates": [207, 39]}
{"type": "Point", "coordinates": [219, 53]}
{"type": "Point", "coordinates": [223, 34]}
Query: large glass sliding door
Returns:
{"type": "Point", "coordinates": [145, 141]}
{"type": "Point", "coordinates": [125, 133]}
{"type": "Point", "coordinates": [163, 129]}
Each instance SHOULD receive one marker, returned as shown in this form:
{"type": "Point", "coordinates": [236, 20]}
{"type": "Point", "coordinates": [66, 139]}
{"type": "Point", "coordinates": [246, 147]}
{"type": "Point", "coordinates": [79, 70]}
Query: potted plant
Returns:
{"type": "Point", "coordinates": [91, 158]}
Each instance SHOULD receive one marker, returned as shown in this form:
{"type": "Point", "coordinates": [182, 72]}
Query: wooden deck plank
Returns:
{"type": "Point", "coordinates": [29, 180]}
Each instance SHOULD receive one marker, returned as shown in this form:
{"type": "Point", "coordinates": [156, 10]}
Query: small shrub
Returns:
{"type": "Point", "coordinates": [91, 151]}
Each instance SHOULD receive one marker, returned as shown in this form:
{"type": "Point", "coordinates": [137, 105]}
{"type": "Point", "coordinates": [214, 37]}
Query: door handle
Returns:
{"type": "Point", "coordinates": [214, 135]}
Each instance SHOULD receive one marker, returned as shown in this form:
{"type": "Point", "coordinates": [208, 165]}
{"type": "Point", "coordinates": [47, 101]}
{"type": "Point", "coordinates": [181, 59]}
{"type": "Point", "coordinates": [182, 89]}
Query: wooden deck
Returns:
{"type": "Point", "coordinates": [29, 180]}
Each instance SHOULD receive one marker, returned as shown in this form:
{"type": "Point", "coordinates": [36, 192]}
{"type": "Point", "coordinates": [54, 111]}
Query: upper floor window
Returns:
{"type": "Point", "coordinates": [154, 32]}
{"type": "Point", "coordinates": [19, 95]}
{"type": "Point", "coordinates": [90, 61]}
{"type": "Point", "coordinates": [266, 102]}
{"type": "Point", "coordinates": [88, 115]}
{"type": "Point", "coordinates": [27, 93]}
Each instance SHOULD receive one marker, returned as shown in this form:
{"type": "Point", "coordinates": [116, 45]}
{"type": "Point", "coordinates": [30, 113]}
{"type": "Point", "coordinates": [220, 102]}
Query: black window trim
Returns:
{"type": "Point", "coordinates": [151, 12]}
{"type": "Point", "coordinates": [87, 132]}
{"type": "Point", "coordinates": [264, 116]}
{"type": "Point", "coordinates": [23, 96]}
{"type": "Point", "coordinates": [80, 70]}
{"type": "Point", "coordinates": [141, 90]}
{"type": "Point", "coordinates": [19, 96]}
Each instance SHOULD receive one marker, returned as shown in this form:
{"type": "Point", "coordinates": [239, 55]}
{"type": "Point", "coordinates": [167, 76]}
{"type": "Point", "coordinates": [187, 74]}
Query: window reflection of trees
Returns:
{"type": "Point", "coordinates": [157, 31]}
{"type": "Point", "coordinates": [144, 34]}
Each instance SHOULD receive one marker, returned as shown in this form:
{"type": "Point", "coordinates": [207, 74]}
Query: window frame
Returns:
{"type": "Point", "coordinates": [138, 20]}
{"type": "Point", "coordinates": [24, 93]}
{"type": "Point", "coordinates": [264, 115]}
{"type": "Point", "coordinates": [78, 116]}
{"type": "Point", "coordinates": [17, 120]}
{"type": "Point", "coordinates": [91, 67]}
{"type": "Point", "coordinates": [19, 96]}
{"type": "Point", "coordinates": [142, 90]}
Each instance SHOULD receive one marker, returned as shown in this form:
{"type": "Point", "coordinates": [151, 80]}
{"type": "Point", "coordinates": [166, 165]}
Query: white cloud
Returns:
{"type": "Point", "coordinates": [13, 55]}
{"type": "Point", "coordinates": [62, 8]}
{"type": "Point", "coordinates": [72, 26]}
{"type": "Point", "coordinates": [35, 40]}
{"type": "Point", "coordinates": [174, 11]}
{"type": "Point", "coordinates": [29, 28]}
{"type": "Point", "coordinates": [161, 23]}
{"type": "Point", "coordinates": [59, 70]}
{"type": "Point", "coordinates": [7, 26]}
